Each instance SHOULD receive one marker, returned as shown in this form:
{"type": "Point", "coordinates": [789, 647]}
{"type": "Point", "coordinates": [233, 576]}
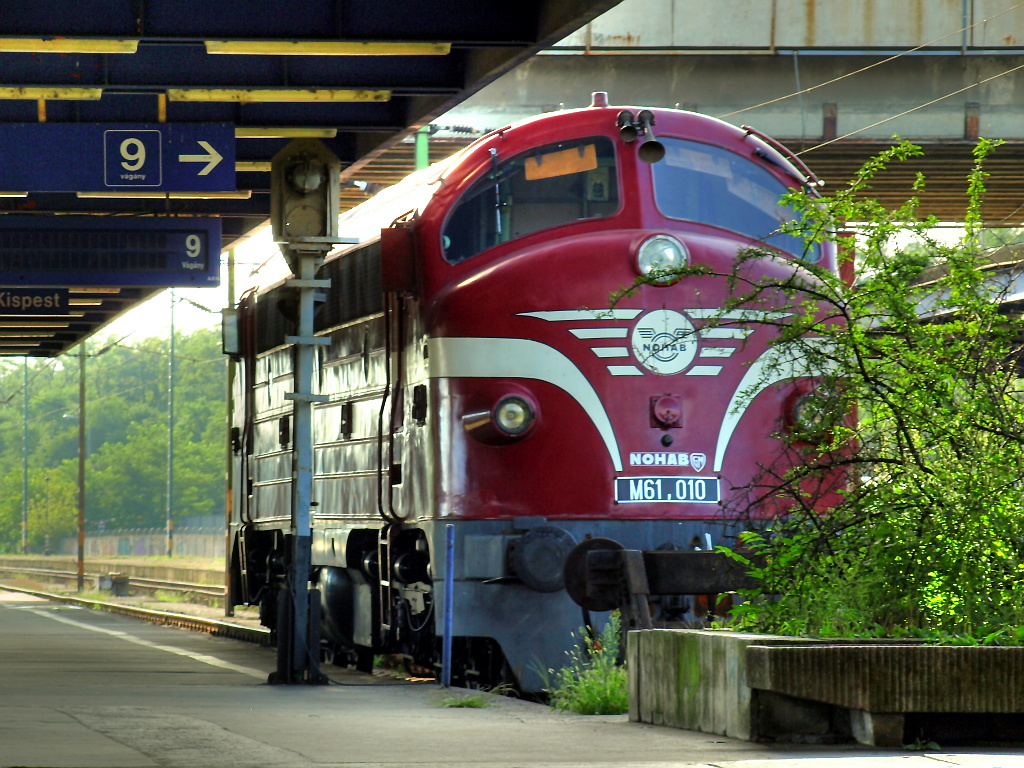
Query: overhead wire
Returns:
{"type": "Point", "coordinates": [800, 91]}
{"type": "Point", "coordinates": [887, 60]}
{"type": "Point", "coordinates": [911, 110]}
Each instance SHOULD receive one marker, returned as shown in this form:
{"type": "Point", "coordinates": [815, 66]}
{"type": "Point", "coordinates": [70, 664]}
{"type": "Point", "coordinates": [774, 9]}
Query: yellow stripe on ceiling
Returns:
{"type": "Point", "coordinates": [324, 48]}
{"type": "Point", "coordinates": [35, 93]}
{"type": "Point", "coordinates": [262, 95]}
{"type": "Point", "coordinates": [66, 45]}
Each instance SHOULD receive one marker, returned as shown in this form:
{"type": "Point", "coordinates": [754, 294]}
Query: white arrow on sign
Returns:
{"type": "Point", "coordinates": [211, 158]}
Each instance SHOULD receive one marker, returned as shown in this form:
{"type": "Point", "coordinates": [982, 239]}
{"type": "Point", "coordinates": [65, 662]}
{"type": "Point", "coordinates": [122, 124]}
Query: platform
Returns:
{"type": "Point", "coordinates": [80, 688]}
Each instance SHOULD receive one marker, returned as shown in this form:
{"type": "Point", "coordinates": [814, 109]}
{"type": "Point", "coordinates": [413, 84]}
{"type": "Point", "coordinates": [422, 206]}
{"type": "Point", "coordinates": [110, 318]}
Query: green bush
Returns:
{"type": "Point", "coordinates": [922, 463]}
{"type": "Point", "coordinates": [593, 682]}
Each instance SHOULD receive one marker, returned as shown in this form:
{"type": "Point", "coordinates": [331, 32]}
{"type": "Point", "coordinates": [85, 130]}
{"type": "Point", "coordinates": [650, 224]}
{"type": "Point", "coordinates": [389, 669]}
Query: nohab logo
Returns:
{"type": "Point", "coordinates": [692, 341]}
{"type": "Point", "coordinates": [664, 341]}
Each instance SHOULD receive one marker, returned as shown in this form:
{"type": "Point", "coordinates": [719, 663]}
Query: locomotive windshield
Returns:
{"type": "Point", "coordinates": [545, 187]}
{"type": "Point", "coordinates": [707, 184]}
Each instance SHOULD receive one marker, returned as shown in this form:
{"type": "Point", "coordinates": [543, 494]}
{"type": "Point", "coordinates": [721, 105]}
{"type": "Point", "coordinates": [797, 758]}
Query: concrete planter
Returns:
{"type": "Point", "coordinates": [764, 687]}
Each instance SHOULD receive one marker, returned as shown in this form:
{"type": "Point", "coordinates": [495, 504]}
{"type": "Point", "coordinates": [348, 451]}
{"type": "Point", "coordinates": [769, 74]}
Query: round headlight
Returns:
{"type": "Point", "coordinates": [513, 415]}
{"type": "Point", "coordinates": [814, 415]}
{"type": "Point", "coordinates": [660, 258]}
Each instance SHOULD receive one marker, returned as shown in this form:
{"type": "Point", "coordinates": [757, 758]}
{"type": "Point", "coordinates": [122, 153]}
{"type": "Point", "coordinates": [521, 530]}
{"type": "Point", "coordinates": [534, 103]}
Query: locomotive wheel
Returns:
{"type": "Point", "coordinates": [575, 575]}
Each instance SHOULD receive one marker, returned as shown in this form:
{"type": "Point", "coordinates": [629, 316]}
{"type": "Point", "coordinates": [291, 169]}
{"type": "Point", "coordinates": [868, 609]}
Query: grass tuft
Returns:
{"type": "Point", "coordinates": [593, 682]}
{"type": "Point", "coordinates": [467, 701]}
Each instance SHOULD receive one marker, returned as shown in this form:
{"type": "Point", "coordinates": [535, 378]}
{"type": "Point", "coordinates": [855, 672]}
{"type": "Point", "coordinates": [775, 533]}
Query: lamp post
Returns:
{"type": "Point", "coordinates": [46, 517]}
{"type": "Point", "coordinates": [81, 466]}
{"type": "Point", "coordinates": [170, 436]}
{"type": "Point", "coordinates": [24, 460]}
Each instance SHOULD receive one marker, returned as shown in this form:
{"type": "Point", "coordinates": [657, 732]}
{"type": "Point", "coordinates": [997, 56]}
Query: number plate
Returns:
{"type": "Point", "coordinates": [701, 490]}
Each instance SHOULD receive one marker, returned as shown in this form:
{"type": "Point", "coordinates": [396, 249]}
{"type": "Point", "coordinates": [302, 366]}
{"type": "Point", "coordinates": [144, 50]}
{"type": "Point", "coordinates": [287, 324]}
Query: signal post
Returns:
{"type": "Point", "coordinates": [305, 190]}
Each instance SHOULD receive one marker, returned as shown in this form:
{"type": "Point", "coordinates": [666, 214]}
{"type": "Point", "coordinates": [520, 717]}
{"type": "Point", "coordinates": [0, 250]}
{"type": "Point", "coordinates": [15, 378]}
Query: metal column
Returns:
{"type": "Point", "coordinates": [305, 191]}
{"type": "Point", "coordinates": [299, 637]}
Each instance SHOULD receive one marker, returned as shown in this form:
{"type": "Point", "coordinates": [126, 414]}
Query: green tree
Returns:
{"type": "Point", "coordinates": [127, 422]}
{"type": "Point", "coordinates": [920, 410]}
{"type": "Point", "coordinates": [914, 436]}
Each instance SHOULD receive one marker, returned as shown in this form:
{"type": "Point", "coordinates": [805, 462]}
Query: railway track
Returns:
{"type": "Point", "coordinates": [207, 594]}
{"type": "Point", "coordinates": [217, 627]}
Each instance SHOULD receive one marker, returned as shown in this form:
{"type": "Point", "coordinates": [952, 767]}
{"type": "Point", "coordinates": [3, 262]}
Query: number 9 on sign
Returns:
{"type": "Point", "coordinates": [134, 153]}
{"type": "Point", "coordinates": [193, 246]}
{"type": "Point", "coordinates": [190, 249]}
{"type": "Point", "coordinates": [132, 158]}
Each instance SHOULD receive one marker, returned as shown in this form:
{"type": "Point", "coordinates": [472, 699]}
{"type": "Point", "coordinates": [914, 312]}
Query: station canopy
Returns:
{"type": "Point", "coordinates": [136, 135]}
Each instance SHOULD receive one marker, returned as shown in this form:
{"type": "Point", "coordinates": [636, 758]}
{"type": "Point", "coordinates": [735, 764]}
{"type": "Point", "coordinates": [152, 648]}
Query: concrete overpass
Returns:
{"type": "Point", "coordinates": [834, 81]}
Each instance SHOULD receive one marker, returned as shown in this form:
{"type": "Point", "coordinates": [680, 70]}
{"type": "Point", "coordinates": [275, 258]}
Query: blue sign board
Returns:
{"type": "Point", "coordinates": [112, 157]}
{"type": "Point", "coordinates": [102, 250]}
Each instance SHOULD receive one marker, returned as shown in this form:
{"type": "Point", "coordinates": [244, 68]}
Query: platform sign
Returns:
{"type": "Point", "coordinates": [110, 157]}
{"type": "Point", "coordinates": [34, 301]}
{"type": "Point", "coordinates": [101, 251]}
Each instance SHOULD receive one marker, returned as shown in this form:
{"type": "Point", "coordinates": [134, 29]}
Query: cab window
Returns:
{"type": "Point", "coordinates": [708, 184]}
{"type": "Point", "coordinates": [545, 187]}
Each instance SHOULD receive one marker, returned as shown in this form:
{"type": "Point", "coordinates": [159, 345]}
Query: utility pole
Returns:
{"type": "Point", "coordinates": [46, 517]}
{"type": "Point", "coordinates": [24, 458]}
{"type": "Point", "coordinates": [170, 436]}
{"type": "Point", "coordinates": [81, 466]}
{"type": "Point", "coordinates": [304, 203]}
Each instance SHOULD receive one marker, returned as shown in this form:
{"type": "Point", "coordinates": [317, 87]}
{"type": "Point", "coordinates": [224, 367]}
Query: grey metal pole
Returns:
{"type": "Point", "coordinates": [170, 436]}
{"type": "Point", "coordinates": [306, 636]}
{"type": "Point", "coordinates": [299, 620]}
{"type": "Point", "coordinates": [304, 177]}
{"type": "Point", "coordinates": [24, 459]}
{"type": "Point", "coordinates": [81, 466]}
{"type": "Point", "coordinates": [46, 517]}
{"type": "Point", "coordinates": [229, 466]}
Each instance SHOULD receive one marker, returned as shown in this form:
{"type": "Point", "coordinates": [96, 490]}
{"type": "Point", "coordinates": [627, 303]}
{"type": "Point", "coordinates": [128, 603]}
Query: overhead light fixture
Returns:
{"type": "Point", "coordinates": [240, 194]}
{"type": "Point", "coordinates": [264, 95]}
{"type": "Point", "coordinates": [285, 133]}
{"type": "Point", "coordinates": [33, 324]}
{"type": "Point", "coordinates": [50, 316]}
{"type": "Point", "coordinates": [246, 166]}
{"type": "Point", "coordinates": [324, 48]}
{"type": "Point", "coordinates": [66, 45]}
{"type": "Point", "coordinates": [85, 302]}
{"type": "Point", "coordinates": [13, 194]}
{"type": "Point", "coordinates": [35, 93]}
{"type": "Point", "coordinates": [26, 335]}
{"type": "Point", "coordinates": [95, 289]}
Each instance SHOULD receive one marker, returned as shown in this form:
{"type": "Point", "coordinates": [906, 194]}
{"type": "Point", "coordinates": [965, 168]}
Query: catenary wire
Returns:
{"type": "Point", "coordinates": [911, 110]}
{"type": "Point", "coordinates": [894, 57]}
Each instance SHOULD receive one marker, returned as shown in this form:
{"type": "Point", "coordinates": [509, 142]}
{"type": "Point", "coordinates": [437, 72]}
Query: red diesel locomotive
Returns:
{"type": "Point", "coordinates": [479, 373]}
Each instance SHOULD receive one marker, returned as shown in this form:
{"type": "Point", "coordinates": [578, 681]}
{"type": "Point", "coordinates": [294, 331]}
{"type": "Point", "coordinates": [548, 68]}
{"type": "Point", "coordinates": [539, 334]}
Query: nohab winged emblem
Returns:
{"type": "Point", "coordinates": [692, 342]}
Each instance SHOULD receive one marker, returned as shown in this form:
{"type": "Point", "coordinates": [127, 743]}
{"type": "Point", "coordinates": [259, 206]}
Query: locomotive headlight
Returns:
{"type": "Point", "coordinates": [506, 419]}
{"type": "Point", "coordinates": [815, 415]}
{"type": "Point", "coordinates": [660, 258]}
{"type": "Point", "coordinates": [513, 415]}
